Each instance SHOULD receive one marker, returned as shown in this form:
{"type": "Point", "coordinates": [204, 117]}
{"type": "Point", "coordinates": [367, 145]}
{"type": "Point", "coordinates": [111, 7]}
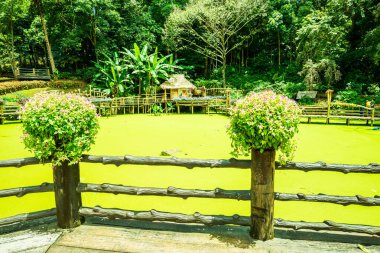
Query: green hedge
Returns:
{"type": "Point", "coordinates": [13, 86]}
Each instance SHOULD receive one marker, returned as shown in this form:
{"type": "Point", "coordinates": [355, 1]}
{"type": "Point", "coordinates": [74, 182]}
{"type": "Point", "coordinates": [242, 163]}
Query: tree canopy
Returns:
{"type": "Point", "coordinates": [235, 43]}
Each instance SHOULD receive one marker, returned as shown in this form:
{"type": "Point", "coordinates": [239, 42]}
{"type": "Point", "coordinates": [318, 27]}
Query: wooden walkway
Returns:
{"type": "Point", "coordinates": [158, 237]}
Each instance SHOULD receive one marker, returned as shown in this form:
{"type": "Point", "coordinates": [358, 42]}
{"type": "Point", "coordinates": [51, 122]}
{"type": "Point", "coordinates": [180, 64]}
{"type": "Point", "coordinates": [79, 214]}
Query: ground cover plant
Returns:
{"type": "Point", "coordinates": [203, 136]}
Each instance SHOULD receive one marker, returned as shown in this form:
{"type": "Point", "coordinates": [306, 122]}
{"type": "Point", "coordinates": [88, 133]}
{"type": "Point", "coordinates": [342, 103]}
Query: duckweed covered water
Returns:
{"type": "Point", "coordinates": [203, 136]}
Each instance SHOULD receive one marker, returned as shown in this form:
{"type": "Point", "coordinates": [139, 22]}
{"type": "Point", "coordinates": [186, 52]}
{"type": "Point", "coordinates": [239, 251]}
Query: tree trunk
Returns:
{"type": "Point", "coordinates": [67, 199]}
{"type": "Point", "coordinates": [242, 57]}
{"type": "Point", "coordinates": [206, 67]}
{"type": "Point", "coordinates": [246, 57]}
{"type": "Point", "coordinates": [224, 71]}
{"type": "Point", "coordinates": [13, 61]}
{"type": "Point", "coordinates": [262, 194]}
{"type": "Point", "coordinates": [279, 49]}
{"type": "Point", "coordinates": [140, 86]}
{"type": "Point", "coordinates": [48, 47]}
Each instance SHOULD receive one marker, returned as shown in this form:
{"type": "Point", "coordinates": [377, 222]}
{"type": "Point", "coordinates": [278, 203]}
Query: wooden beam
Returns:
{"type": "Point", "coordinates": [20, 192]}
{"type": "Point", "coordinates": [371, 168]}
{"type": "Point", "coordinates": [224, 194]}
{"type": "Point", "coordinates": [19, 162]}
{"type": "Point", "coordinates": [163, 161]}
{"type": "Point", "coordinates": [154, 215]}
{"type": "Point", "coordinates": [327, 225]}
{"type": "Point", "coordinates": [170, 191]}
{"type": "Point", "coordinates": [231, 163]}
{"type": "Point", "coordinates": [341, 200]}
{"type": "Point", "coordinates": [27, 216]}
{"type": "Point", "coordinates": [321, 166]}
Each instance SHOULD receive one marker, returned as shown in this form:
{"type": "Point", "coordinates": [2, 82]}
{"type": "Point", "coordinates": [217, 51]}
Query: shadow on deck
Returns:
{"type": "Point", "coordinates": [103, 235]}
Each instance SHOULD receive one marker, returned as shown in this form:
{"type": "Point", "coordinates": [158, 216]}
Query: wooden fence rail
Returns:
{"type": "Point", "coordinates": [20, 192]}
{"type": "Point", "coordinates": [73, 187]}
{"type": "Point", "coordinates": [27, 217]}
{"type": "Point", "coordinates": [340, 110]}
{"type": "Point", "coordinates": [194, 193]}
{"type": "Point", "coordinates": [195, 218]}
{"type": "Point", "coordinates": [154, 215]}
{"type": "Point", "coordinates": [33, 73]}
{"type": "Point", "coordinates": [203, 163]}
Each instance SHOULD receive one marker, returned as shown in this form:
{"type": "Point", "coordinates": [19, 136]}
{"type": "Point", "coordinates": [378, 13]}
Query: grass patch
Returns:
{"type": "Point", "coordinates": [203, 136]}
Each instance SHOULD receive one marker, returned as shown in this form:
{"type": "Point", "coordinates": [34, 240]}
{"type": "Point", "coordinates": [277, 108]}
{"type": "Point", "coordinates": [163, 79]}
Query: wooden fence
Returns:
{"type": "Point", "coordinates": [69, 207]}
{"type": "Point", "coordinates": [33, 74]}
{"type": "Point", "coordinates": [340, 110]}
{"type": "Point", "coordinates": [9, 111]}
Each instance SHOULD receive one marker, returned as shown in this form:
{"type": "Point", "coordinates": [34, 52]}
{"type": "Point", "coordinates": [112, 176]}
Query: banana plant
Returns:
{"type": "Point", "coordinates": [113, 75]}
{"type": "Point", "coordinates": [135, 62]}
{"type": "Point", "coordinates": [148, 69]}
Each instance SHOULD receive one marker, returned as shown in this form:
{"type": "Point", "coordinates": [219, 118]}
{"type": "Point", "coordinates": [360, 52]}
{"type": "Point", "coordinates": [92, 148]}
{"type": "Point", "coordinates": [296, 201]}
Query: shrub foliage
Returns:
{"type": "Point", "coordinates": [264, 121]}
{"type": "Point", "coordinates": [59, 126]}
{"type": "Point", "coordinates": [13, 86]}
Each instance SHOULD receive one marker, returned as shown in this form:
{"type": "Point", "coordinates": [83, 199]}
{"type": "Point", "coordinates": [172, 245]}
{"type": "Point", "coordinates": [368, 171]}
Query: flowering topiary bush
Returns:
{"type": "Point", "coordinates": [264, 121]}
{"type": "Point", "coordinates": [59, 126]}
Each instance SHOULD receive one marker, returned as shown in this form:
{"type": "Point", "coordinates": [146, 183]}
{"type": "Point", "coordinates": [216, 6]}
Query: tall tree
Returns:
{"type": "Point", "coordinates": [321, 41]}
{"type": "Point", "coordinates": [10, 12]}
{"type": "Point", "coordinates": [372, 38]}
{"type": "Point", "coordinates": [213, 28]}
{"type": "Point", "coordinates": [38, 4]}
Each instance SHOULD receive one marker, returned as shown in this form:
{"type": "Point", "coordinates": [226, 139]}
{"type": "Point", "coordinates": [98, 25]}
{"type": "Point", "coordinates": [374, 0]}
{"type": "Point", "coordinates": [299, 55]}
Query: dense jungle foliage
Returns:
{"type": "Point", "coordinates": [288, 45]}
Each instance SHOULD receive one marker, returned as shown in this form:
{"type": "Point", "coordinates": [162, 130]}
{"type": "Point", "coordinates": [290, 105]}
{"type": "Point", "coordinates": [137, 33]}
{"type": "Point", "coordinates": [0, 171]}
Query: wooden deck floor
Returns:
{"type": "Point", "coordinates": [106, 238]}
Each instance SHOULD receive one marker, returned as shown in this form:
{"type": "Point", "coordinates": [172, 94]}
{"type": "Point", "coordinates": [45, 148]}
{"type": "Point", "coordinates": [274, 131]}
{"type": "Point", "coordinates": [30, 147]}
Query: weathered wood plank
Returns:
{"type": "Point", "coordinates": [72, 249]}
{"type": "Point", "coordinates": [224, 194]}
{"type": "Point", "coordinates": [154, 215]}
{"type": "Point", "coordinates": [27, 216]}
{"type": "Point", "coordinates": [20, 192]}
{"type": "Point", "coordinates": [136, 240]}
{"type": "Point", "coordinates": [225, 240]}
{"type": "Point", "coordinates": [28, 241]}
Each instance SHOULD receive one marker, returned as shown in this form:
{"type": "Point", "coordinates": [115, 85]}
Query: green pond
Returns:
{"type": "Point", "coordinates": [204, 136]}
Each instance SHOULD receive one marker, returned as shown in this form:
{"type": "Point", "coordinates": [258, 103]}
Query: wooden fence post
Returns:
{"type": "Point", "coordinates": [67, 199]}
{"type": "Point", "coordinates": [262, 194]}
{"type": "Point", "coordinates": [1, 112]}
{"type": "Point", "coordinates": [329, 98]}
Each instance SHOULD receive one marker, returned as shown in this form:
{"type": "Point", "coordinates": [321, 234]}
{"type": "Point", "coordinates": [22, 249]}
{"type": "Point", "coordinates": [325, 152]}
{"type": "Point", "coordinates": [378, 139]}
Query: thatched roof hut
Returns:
{"type": "Point", "coordinates": [178, 85]}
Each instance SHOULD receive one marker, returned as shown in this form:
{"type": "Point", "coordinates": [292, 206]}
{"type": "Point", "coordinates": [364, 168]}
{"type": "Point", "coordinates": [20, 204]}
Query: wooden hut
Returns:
{"type": "Point", "coordinates": [177, 86]}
